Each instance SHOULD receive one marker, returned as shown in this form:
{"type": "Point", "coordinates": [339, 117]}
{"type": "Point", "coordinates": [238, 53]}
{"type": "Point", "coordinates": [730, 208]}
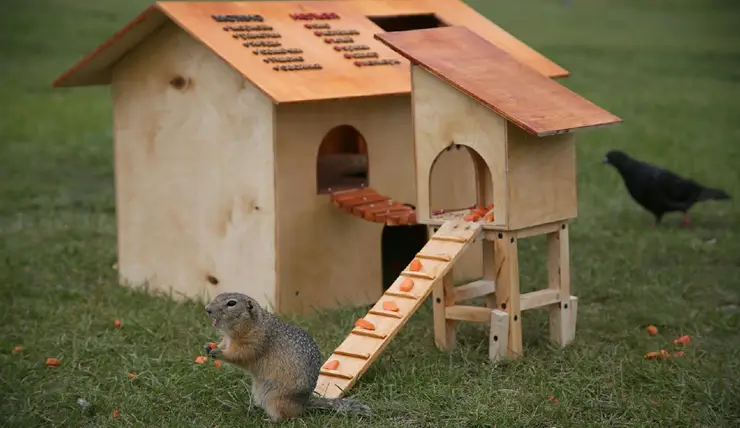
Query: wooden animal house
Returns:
{"type": "Point", "coordinates": [519, 127]}
{"type": "Point", "coordinates": [241, 127]}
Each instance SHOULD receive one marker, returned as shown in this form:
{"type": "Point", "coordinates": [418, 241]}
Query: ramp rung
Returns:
{"type": "Point", "coordinates": [335, 374]}
{"type": "Point", "coordinates": [361, 355]}
{"type": "Point", "coordinates": [449, 239]}
{"type": "Point", "coordinates": [386, 314]}
{"type": "Point", "coordinates": [401, 294]}
{"type": "Point", "coordinates": [438, 257]}
{"type": "Point", "coordinates": [420, 275]}
{"type": "Point", "coordinates": [369, 333]}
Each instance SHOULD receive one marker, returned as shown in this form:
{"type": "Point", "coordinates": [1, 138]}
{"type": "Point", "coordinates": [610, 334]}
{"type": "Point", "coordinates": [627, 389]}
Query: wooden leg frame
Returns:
{"type": "Point", "coordinates": [503, 302]}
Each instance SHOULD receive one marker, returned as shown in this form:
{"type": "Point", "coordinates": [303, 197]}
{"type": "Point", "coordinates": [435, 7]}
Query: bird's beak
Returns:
{"type": "Point", "coordinates": [605, 161]}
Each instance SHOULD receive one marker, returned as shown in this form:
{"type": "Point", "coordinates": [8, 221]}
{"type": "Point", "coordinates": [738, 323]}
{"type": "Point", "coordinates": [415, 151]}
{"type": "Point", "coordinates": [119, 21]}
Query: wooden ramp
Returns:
{"type": "Point", "coordinates": [363, 346]}
{"type": "Point", "coordinates": [370, 205]}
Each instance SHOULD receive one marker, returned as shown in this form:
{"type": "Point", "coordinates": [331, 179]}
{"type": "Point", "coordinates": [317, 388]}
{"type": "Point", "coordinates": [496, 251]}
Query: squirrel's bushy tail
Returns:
{"type": "Point", "coordinates": [343, 405]}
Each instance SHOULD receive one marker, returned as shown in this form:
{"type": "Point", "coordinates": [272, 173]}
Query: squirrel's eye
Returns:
{"type": "Point", "coordinates": [231, 303]}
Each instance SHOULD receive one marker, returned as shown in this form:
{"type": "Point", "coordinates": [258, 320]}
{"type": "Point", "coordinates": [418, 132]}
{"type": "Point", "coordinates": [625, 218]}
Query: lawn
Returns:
{"type": "Point", "coordinates": [669, 68]}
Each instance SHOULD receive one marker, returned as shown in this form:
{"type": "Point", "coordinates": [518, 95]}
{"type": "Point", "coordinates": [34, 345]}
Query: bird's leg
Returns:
{"type": "Point", "coordinates": [686, 220]}
{"type": "Point", "coordinates": [656, 223]}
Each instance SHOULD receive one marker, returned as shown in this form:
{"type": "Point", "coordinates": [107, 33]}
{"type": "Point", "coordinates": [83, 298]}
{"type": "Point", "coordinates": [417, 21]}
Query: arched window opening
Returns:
{"type": "Point", "coordinates": [459, 179]}
{"type": "Point", "coordinates": [342, 161]}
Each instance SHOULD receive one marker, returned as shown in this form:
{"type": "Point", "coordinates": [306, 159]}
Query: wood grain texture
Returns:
{"type": "Point", "coordinates": [494, 78]}
{"type": "Point", "coordinates": [339, 78]}
{"type": "Point", "coordinates": [456, 12]}
{"type": "Point", "coordinates": [187, 213]}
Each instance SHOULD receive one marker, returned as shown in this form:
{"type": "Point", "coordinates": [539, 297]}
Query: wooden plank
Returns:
{"type": "Point", "coordinates": [475, 289]}
{"type": "Point", "coordinates": [498, 336]}
{"type": "Point", "coordinates": [388, 327]}
{"type": "Point", "coordinates": [468, 313]}
{"type": "Point", "coordinates": [539, 299]}
{"type": "Point", "coordinates": [476, 67]}
{"type": "Point", "coordinates": [443, 295]}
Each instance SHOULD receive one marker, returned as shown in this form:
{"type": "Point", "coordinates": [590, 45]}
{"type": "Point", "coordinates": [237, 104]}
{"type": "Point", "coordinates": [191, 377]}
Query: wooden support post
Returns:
{"type": "Point", "coordinates": [443, 295]}
{"type": "Point", "coordinates": [558, 272]}
{"type": "Point", "coordinates": [489, 271]}
{"type": "Point", "coordinates": [506, 264]}
{"type": "Point", "coordinates": [499, 335]}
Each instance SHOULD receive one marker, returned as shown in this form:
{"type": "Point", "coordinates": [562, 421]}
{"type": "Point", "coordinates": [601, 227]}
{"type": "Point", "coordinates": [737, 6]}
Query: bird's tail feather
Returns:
{"type": "Point", "coordinates": [708, 193]}
{"type": "Point", "coordinates": [344, 405]}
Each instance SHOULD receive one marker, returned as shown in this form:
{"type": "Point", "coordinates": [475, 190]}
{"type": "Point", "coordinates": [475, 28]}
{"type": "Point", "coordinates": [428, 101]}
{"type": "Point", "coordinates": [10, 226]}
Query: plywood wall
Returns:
{"type": "Point", "coordinates": [194, 172]}
{"type": "Point", "coordinates": [442, 116]}
{"type": "Point", "coordinates": [327, 258]}
{"type": "Point", "coordinates": [542, 178]}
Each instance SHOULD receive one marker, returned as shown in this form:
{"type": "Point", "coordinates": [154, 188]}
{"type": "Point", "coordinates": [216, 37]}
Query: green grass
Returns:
{"type": "Point", "coordinates": [670, 68]}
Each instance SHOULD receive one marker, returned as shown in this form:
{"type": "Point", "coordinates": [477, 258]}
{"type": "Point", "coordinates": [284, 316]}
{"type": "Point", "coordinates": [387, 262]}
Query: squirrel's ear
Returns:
{"type": "Point", "coordinates": [250, 305]}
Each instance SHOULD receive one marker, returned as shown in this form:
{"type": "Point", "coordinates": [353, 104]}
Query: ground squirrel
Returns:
{"type": "Point", "coordinates": [282, 358]}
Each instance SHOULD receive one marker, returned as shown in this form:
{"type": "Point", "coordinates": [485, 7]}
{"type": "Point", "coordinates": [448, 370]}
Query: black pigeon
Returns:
{"type": "Point", "coordinates": [659, 190]}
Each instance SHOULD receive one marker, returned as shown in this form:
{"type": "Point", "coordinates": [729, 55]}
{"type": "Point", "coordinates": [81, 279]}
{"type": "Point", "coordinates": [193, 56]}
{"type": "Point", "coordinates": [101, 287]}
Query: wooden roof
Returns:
{"type": "Point", "coordinates": [338, 78]}
{"type": "Point", "coordinates": [486, 73]}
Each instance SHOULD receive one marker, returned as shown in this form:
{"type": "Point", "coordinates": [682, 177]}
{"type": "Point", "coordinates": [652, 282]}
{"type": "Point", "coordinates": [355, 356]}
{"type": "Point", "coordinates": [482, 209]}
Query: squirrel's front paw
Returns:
{"type": "Point", "coordinates": [216, 353]}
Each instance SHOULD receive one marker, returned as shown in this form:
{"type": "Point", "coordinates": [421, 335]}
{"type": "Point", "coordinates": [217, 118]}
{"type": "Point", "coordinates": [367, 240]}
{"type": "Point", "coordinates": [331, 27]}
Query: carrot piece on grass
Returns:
{"type": "Point", "coordinates": [332, 365]}
{"type": "Point", "coordinates": [52, 362]}
{"type": "Point", "coordinates": [116, 414]}
{"type": "Point", "coordinates": [200, 359]}
{"type": "Point", "coordinates": [652, 330]}
{"type": "Point", "coordinates": [217, 363]}
{"type": "Point", "coordinates": [678, 354]}
{"type": "Point", "coordinates": [415, 265]}
{"type": "Point", "coordinates": [117, 323]}
{"type": "Point", "coordinates": [652, 355]}
{"type": "Point", "coordinates": [406, 285]}
{"type": "Point", "coordinates": [683, 340]}
{"type": "Point", "coordinates": [363, 323]}
{"type": "Point", "coordinates": [131, 375]}
{"type": "Point", "coordinates": [390, 305]}
{"type": "Point", "coordinates": [212, 345]}
{"type": "Point", "coordinates": [664, 353]}
{"type": "Point", "coordinates": [17, 349]}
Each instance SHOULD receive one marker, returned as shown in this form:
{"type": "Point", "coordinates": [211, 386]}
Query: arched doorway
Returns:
{"type": "Point", "coordinates": [342, 161]}
{"type": "Point", "coordinates": [459, 178]}
{"type": "Point", "coordinates": [399, 245]}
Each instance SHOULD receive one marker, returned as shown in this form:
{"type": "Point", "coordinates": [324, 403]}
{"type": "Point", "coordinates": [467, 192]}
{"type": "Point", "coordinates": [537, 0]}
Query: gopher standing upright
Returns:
{"type": "Point", "coordinates": [282, 358]}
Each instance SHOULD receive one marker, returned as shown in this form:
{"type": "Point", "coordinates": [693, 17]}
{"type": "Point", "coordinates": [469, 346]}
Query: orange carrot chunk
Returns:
{"type": "Point", "coordinates": [212, 345]}
{"type": "Point", "coordinates": [17, 349]}
{"type": "Point", "coordinates": [406, 285]}
{"type": "Point", "coordinates": [117, 323]}
{"type": "Point", "coordinates": [652, 330]}
{"type": "Point", "coordinates": [471, 217]}
{"type": "Point", "coordinates": [390, 305]}
{"type": "Point", "coordinates": [683, 340]}
{"type": "Point", "coordinates": [415, 265]}
{"type": "Point", "coordinates": [678, 354]}
{"type": "Point", "coordinates": [664, 353]}
{"type": "Point", "coordinates": [652, 355]}
{"type": "Point", "coordinates": [488, 218]}
{"type": "Point", "coordinates": [52, 362]}
{"type": "Point", "coordinates": [217, 363]}
{"type": "Point", "coordinates": [363, 323]}
{"type": "Point", "coordinates": [131, 375]}
{"type": "Point", "coordinates": [200, 359]}
{"type": "Point", "coordinates": [332, 365]}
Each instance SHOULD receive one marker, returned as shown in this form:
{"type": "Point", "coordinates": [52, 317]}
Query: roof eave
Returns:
{"type": "Point", "coordinates": [95, 67]}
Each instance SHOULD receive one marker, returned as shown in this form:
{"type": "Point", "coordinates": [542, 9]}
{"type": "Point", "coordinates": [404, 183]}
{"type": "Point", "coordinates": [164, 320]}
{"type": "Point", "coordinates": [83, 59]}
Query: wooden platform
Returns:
{"type": "Point", "coordinates": [370, 205]}
{"type": "Point", "coordinates": [476, 67]}
{"type": "Point", "coordinates": [362, 347]}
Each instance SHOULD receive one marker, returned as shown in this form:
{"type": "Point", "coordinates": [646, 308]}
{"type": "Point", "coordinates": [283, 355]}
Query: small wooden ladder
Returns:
{"type": "Point", "coordinates": [363, 346]}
